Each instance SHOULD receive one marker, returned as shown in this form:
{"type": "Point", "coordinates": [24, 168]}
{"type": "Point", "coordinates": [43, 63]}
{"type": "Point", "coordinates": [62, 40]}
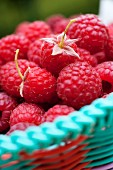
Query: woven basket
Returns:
{"type": "Point", "coordinates": [82, 140]}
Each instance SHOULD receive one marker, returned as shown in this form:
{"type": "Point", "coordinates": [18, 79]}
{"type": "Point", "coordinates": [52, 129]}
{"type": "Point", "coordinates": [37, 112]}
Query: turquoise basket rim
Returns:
{"type": "Point", "coordinates": [90, 118]}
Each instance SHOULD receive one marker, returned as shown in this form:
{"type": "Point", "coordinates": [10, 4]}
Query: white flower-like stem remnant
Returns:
{"type": "Point", "coordinates": [23, 77]}
{"type": "Point", "coordinates": [61, 47]}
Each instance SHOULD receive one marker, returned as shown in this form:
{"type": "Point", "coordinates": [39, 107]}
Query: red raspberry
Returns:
{"type": "Point", "coordinates": [9, 77]}
{"type": "Point", "coordinates": [92, 32]}
{"type": "Point", "coordinates": [53, 20]}
{"type": "Point", "coordinates": [7, 104]}
{"type": "Point", "coordinates": [39, 86]}
{"type": "Point", "coordinates": [55, 111]}
{"type": "Point", "coordinates": [26, 112]}
{"type": "Point", "coordinates": [37, 30]}
{"type": "Point", "coordinates": [60, 26]}
{"type": "Point", "coordinates": [1, 62]}
{"type": "Point", "coordinates": [74, 16]}
{"type": "Point", "coordinates": [86, 56]}
{"type": "Point", "coordinates": [55, 63]}
{"type": "Point", "coordinates": [110, 29]}
{"type": "Point", "coordinates": [79, 84]}
{"type": "Point", "coordinates": [34, 51]}
{"type": "Point", "coordinates": [109, 48]}
{"type": "Point", "coordinates": [100, 56]}
{"type": "Point", "coordinates": [105, 71]}
{"type": "Point", "coordinates": [105, 95]}
{"type": "Point", "coordinates": [20, 126]}
{"type": "Point", "coordinates": [10, 43]}
{"type": "Point", "coordinates": [21, 28]}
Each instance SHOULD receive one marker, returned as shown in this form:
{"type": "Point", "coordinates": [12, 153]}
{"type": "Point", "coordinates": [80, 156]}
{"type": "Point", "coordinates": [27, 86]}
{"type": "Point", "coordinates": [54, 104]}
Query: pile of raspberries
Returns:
{"type": "Point", "coordinates": [56, 70]}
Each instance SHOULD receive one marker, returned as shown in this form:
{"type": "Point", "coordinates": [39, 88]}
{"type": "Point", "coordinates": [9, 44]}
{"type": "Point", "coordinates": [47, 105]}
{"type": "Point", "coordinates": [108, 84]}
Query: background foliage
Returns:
{"type": "Point", "coordinates": [12, 12]}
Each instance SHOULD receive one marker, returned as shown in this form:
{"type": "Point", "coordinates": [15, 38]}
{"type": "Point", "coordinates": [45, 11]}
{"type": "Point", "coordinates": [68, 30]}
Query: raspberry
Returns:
{"type": "Point", "coordinates": [9, 77]}
{"type": "Point", "coordinates": [110, 29]}
{"type": "Point", "coordinates": [105, 95]}
{"type": "Point", "coordinates": [109, 48]}
{"type": "Point", "coordinates": [86, 56]}
{"type": "Point", "coordinates": [10, 43]}
{"type": "Point", "coordinates": [60, 26]}
{"type": "Point", "coordinates": [34, 51]}
{"type": "Point", "coordinates": [26, 112]}
{"type": "Point", "coordinates": [56, 62]}
{"type": "Point", "coordinates": [100, 56]}
{"type": "Point", "coordinates": [7, 104]}
{"type": "Point", "coordinates": [39, 86]}
{"type": "Point", "coordinates": [54, 100]}
{"type": "Point", "coordinates": [74, 16]}
{"type": "Point", "coordinates": [19, 126]}
{"type": "Point", "coordinates": [79, 84]}
{"type": "Point", "coordinates": [53, 20]}
{"type": "Point", "coordinates": [105, 71]}
{"type": "Point", "coordinates": [54, 112]}
{"type": "Point", "coordinates": [37, 30]}
{"type": "Point", "coordinates": [92, 32]}
{"type": "Point", "coordinates": [21, 28]}
{"type": "Point", "coordinates": [1, 62]}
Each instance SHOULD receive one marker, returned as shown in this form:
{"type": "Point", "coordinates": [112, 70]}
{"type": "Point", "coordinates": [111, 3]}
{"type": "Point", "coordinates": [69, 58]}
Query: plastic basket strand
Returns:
{"type": "Point", "coordinates": [81, 140]}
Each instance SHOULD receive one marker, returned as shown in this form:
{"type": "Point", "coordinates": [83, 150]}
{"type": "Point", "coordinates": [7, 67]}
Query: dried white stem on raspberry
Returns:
{"type": "Point", "coordinates": [16, 63]}
{"type": "Point", "coordinates": [66, 48]}
{"type": "Point", "coordinates": [22, 84]}
{"type": "Point", "coordinates": [21, 88]}
{"type": "Point", "coordinates": [23, 77]}
{"type": "Point", "coordinates": [65, 31]}
{"type": "Point", "coordinates": [62, 44]}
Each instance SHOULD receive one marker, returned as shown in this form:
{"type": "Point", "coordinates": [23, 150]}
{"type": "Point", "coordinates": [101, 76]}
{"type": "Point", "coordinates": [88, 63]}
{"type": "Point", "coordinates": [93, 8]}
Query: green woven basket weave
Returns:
{"type": "Point", "coordinates": [79, 141]}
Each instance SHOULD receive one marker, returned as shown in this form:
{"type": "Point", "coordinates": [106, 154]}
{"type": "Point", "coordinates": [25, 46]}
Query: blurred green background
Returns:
{"type": "Point", "coordinates": [12, 12]}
